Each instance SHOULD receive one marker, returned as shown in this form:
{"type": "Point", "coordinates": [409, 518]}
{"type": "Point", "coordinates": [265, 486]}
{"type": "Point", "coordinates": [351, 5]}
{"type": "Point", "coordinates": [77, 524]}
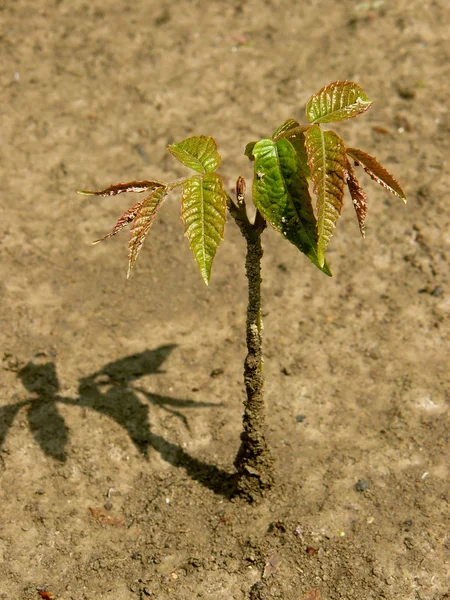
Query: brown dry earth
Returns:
{"type": "Point", "coordinates": [120, 401]}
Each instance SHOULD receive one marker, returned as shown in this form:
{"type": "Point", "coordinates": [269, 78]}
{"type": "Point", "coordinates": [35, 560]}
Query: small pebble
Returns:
{"type": "Point", "coordinates": [437, 291]}
{"type": "Point", "coordinates": [402, 123]}
{"type": "Point", "coordinates": [361, 485]}
{"type": "Point", "coordinates": [216, 372]}
{"type": "Point", "coordinates": [406, 93]}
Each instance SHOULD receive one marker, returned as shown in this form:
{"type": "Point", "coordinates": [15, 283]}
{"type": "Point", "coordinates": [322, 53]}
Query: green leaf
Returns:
{"type": "Point", "coordinates": [295, 133]}
{"type": "Point", "coordinates": [142, 223]}
{"type": "Point", "coordinates": [376, 171]}
{"type": "Point", "coordinates": [203, 210]}
{"type": "Point", "coordinates": [288, 127]}
{"type": "Point", "coordinates": [280, 193]}
{"type": "Point", "coordinates": [249, 150]}
{"type": "Point", "coordinates": [337, 101]}
{"type": "Point", "coordinates": [198, 153]}
{"type": "Point", "coordinates": [327, 161]}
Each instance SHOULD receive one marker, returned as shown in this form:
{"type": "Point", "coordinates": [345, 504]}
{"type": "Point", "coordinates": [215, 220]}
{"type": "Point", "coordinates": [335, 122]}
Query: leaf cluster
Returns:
{"type": "Point", "coordinates": [284, 164]}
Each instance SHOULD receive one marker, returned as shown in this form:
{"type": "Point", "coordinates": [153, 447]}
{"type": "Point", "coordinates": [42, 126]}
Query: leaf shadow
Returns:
{"type": "Point", "coordinates": [45, 422]}
{"type": "Point", "coordinates": [111, 391]}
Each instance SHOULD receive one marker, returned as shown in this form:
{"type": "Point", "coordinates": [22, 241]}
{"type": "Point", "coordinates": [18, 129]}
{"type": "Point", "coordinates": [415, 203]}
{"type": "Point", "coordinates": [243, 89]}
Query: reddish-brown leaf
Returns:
{"type": "Point", "coordinates": [106, 517]}
{"type": "Point", "coordinates": [359, 197]}
{"type": "Point", "coordinates": [43, 593]}
{"type": "Point", "coordinates": [378, 173]}
{"type": "Point", "coordinates": [123, 221]}
{"type": "Point", "coordinates": [121, 188]}
{"type": "Point", "coordinates": [142, 223]}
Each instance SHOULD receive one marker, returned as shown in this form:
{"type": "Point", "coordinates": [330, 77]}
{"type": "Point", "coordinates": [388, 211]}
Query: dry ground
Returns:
{"type": "Point", "coordinates": [125, 397]}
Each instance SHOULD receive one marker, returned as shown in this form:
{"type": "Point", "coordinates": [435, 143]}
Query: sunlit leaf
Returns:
{"type": "Point", "coordinates": [121, 188]}
{"type": "Point", "coordinates": [198, 153]}
{"type": "Point", "coordinates": [337, 101]}
{"type": "Point", "coordinates": [142, 223]}
{"type": "Point", "coordinates": [327, 161]}
{"type": "Point", "coordinates": [295, 133]}
{"type": "Point", "coordinates": [359, 198]}
{"type": "Point", "coordinates": [280, 192]}
{"type": "Point", "coordinates": [287, 126]}
{"type": "Point", "coordinates": [376, 171]}
{"type": "Point", "coordinates": [127, 217]}
{"type": "Point", "coordinates": [203, 210]}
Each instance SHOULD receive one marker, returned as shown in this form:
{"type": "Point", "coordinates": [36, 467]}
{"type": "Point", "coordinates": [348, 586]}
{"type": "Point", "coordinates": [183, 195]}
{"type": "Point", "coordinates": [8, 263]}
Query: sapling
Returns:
{"type": "Point", "coordinates": [283, 166]}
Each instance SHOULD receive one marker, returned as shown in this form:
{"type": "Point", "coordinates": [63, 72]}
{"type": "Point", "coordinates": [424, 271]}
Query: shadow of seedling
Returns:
{"type": "Point", "coordinates": [111, 391]}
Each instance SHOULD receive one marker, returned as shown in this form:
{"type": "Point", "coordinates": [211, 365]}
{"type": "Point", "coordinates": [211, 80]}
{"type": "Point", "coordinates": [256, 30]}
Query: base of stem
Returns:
{"type": "Point", "coordinates": [255, 473]}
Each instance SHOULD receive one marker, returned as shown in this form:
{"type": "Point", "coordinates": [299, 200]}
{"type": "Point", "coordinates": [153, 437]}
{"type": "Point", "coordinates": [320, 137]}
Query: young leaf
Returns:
{"type": "Point", "coordinates": [142, 223]}
{"type": "Point", "coordinates": [376, 171]}
{"type": "Point", "coordinates": [197, 153]}
{"type": "Point", "coordinates": [295, 133]}
{"type": "Point", "coordinates": [280, 193]}
{"type": "Point", "coordinates": [287, 126]}
{"type": "Point", "coordinates": [249, 150]}
{"type": "Point", "coordinates": [337, 101]}
{"type": "Point", "coordinates": [127, 217]}
{"type": "Point", "coordinates": [328, 163]}
{"type": "Point", "coordinates": [120, 188]}
{"type": "Point", "coordinates": [359, 197]}
{"type": "Point", "coordinates": [203, 210]}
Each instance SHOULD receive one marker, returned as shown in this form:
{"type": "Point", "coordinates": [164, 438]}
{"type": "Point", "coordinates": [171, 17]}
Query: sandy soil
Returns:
{"type": "Point", "coordinates": [120, 402]}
